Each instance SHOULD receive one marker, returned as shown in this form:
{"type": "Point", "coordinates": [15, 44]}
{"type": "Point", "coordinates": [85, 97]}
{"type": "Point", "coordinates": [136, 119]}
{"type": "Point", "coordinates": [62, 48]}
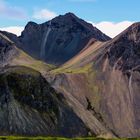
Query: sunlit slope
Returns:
{"type": "Point", "coordinates": [106, 83]}
{"type": "Point", "coordinates": [11, 56]}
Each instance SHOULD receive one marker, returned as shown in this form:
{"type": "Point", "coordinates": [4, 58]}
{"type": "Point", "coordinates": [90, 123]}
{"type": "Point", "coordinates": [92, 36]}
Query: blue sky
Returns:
{"type": "Point", "coordinates": [15, 13]}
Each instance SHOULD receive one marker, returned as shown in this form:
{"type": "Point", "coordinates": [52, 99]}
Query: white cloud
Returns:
{"type": "Point", "coordinates": [112, 29]}
{"type": "Point", "coordinates": [44, 14]}
{"type": "Point", "coordinates": [13, 29]}
{"type": "Point", "coordinates": [11, 11]}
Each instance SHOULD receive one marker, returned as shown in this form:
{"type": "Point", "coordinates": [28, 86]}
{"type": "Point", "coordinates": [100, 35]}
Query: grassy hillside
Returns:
{"type": "Point", "coordinates": [54, 138]}
{"type": "Point", "coordinates": [23, 59]}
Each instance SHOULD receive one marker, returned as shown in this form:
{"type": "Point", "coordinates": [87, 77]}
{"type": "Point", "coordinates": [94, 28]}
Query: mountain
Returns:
{"type": "Point", "coordinates": [93, 91]}
{"type": "Point", "coordinates": [31, 101]}
{"type": "Point", "coordinates": [28, 104]}
{"type": "Point", "coordinates": [123, 82]}
{"type": "Point", "coordinates": [104, 79]}
{"type": "Point", "coordinates": [10, 55]}
{"type": "Point", "coordinates": [7, 50]}
{"type": "Point", "coordinates": [58, 40]}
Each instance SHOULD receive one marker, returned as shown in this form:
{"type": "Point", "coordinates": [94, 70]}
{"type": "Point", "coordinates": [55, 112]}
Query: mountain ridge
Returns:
{"type": "Point", "coordinates": [110, 84]}
{"type": "Point", "coordinates": [68, 33]}
{"type": "Point", "coordinates": [99, 84]}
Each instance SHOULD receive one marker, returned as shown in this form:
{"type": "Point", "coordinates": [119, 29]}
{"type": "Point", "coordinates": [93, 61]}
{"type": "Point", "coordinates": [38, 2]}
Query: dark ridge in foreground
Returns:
{"type": "Point", "coordinates": [29, 106]}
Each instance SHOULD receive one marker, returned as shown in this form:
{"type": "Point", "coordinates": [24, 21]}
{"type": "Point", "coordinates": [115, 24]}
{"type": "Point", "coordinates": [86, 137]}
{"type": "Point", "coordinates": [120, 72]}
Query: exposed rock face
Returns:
{"type": "Point", "coordinates": [7, 50]}
{"type": "Point", "coordinates": [76, 91]}
{"type": "Point", "coordinates": [125, 50]}
{"type": "Point", "coordinates": [100, 84]}
{"type": "Point", "coordinates": [111, 83]}
{"type": "Point", "coordinates": [29, 106]}
{"type": "Point", "coordinates": [61, 38]}
{"type": "Point", "coordinates": [120, 100]}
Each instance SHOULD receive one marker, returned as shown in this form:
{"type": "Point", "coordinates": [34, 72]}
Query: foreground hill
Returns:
{"type": "Point", "coordinates": [104, 79]}
{"type": "Point", "coordinates": [29, 106]}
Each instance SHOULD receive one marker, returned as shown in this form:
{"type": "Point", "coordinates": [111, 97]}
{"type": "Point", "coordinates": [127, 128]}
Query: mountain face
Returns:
{"type": "Point", "coordinates": [58, 40]}
{"type": "Point", "coordinates": [104, 78]}
{"type": "Point", "coordinates": [125, 52]}
{"type": "Point", "coordinates": [29, 106]}
{"type": "Point", "coordinates": [29, 100]}
{"type": "Point", "coordinates": [123, 84]}
{"type": "Point", "coordinates": [7, 50]}
{"type": "Point", "coordinates": [95, 92]}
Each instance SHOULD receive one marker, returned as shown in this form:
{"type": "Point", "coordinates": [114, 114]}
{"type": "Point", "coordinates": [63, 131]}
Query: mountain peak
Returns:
{"type": "Point", "coordinates": [7, 50]}
{"type": "Point", "coordinates": [59, 39]}
{"type": "Point", "coordinates": [70, 14]}
{"type": "Point", "coordinates": [31, 24]}
{"type": "Point", "coordinates": [135, 25]}
{"type": "Point", "coordinates": [68, 18]}
{"type": "Point", "coordinates": [133, 32]}
{"type": "Point", "coordinates": [71, 21]}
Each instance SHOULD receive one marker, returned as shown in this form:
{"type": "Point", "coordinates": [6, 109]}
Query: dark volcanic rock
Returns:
{"type": "Point", "coordinates": [120, 76]}
{"type": "Point", "coordinates": [29, 106]}
{"type": "Point", "coordinates": [58, 40]}
{"type": "Point", "coordinates": [111, 83]}
{"type": "Point", "coordinates": [124, 51]}
{"type": "Point", "coordinates": [7, 50]}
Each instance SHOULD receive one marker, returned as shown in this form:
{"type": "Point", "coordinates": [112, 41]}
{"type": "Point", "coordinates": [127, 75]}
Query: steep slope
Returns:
{"type": "Point", "coordinates": [7, 50]}
{"type": "Point", "coordinates": [58, 40]}
{"type": "Point", "coordinates": [121, 68]}
{"type": "Point", "coordinates": [29, 106]}
{"type": "Point", "coordinates": [104, 78]}
{"type": "Point", "coordinates": [12, 56]}
{"type": "Point", "coordinates": [73, 81]}
{"type": "Point", "coordinates": [21, 59]}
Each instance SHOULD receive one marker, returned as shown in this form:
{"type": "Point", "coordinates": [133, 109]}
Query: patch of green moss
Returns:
{"type": "Point", "coordinates": [30, 88]}
{"type": "Point", "coordinates": [22, 59]}
{"type": "Point", "coordinates": [83, 69]}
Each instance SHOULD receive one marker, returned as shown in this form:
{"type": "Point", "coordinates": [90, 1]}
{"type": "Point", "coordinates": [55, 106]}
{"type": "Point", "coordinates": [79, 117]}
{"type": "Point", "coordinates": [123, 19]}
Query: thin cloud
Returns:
{"type": "Point", "coordinates": [11, 11]}
{"type": "Point", "coordinates": [112, 29]}
{"type": "Point", "coordinates": [44, 14]}
{"type": "Point", "coordinates": [13, 29]}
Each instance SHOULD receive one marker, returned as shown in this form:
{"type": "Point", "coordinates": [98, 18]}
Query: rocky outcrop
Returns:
{"type": "Point", "coordinates": [30, 106]}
